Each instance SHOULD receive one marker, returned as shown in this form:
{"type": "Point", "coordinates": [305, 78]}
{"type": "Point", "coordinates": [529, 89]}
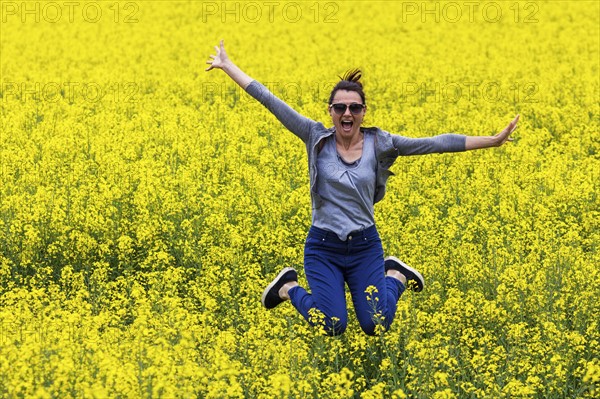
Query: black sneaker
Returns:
{"type": "Point", "coordinates": [270, 297]}
{"type": "Point", "coordinates": [411, 274]}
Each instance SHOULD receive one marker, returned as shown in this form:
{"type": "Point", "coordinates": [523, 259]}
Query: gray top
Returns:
{"type": "Point", "coordinates": [347, 190]}
{"type": "Point", "coordinates": [387, 146]}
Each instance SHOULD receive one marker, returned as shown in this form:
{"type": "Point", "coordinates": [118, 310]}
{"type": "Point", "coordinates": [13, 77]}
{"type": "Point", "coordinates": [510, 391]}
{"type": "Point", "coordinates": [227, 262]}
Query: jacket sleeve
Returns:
{"type": "Point", "coordinates": [291, 119]}
{"type": "Point", "coordinates": [447, 142]}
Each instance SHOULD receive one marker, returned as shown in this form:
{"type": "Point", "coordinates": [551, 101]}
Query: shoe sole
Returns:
{"type": "Point", "coordinates": [410, 269]}
{"type": "Point", "coordinates": [273, 283]}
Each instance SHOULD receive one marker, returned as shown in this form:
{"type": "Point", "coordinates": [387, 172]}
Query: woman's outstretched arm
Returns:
{"type": "Point", "coordinates": [291, 119]}
{"type": "Point", "coordinates": [222, 61]}
{"type": "Point", "coordinates": [451, 142]}
{"type": "Point", "coordinates": [476, 142]}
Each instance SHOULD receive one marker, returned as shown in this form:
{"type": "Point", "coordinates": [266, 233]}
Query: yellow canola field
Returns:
{"type": "Point", "coordinates": [145, 203]}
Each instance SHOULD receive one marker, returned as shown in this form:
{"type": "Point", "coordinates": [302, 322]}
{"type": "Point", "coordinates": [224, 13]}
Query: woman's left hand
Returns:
{"type": "Point", "coordinates": [504, 135]}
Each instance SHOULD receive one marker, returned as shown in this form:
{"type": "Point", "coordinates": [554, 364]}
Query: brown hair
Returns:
{"type": "Point", "coordinates": [350, 82]}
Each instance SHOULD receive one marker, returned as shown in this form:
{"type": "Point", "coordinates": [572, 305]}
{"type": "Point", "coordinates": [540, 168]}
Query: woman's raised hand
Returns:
{"type": "Point", "coordinates": [504, 135]}
{"type": "Point", "coordinates": [219, 60]}
{"type": "Point", "coordinates": [222, 61]}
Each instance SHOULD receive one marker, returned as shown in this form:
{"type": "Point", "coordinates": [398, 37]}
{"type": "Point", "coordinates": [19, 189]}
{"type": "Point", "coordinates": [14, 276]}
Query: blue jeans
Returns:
{"type": "Point", "coordinates": [329, 263]}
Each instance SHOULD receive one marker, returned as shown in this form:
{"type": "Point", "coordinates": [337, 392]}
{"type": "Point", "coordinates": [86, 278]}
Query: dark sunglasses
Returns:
{"type": "Point", "coordinates": [340, 108]}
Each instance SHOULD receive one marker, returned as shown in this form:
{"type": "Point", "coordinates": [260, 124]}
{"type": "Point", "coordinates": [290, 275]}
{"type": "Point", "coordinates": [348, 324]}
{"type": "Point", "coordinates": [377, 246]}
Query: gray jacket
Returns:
{"type": "Point", "coordinates": [387, 146]}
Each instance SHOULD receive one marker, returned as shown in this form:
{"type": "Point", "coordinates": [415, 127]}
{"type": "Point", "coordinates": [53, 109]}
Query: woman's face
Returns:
{"type": "Point", "coordinates": [347, 124]}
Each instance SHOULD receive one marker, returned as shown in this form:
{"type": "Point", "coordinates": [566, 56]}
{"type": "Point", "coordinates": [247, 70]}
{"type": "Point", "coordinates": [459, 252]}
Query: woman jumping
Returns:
{"type": "Point", "coordinates": [348, 168]}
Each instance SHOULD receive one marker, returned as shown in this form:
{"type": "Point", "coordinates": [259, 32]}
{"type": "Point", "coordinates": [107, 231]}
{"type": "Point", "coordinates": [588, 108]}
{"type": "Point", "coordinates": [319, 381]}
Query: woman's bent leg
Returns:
{"type": "Point", "coordinates": [374, 295]}
{"type": "Point", "coordinates": [326, 305]}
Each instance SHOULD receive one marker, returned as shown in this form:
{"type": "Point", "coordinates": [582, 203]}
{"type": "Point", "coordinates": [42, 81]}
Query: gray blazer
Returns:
{"type": "Point", "coordinates": [387, 146]}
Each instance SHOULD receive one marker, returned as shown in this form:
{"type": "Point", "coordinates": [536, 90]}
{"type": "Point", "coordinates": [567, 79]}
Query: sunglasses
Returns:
{"type": "Point", "coordinates": [340, 108]}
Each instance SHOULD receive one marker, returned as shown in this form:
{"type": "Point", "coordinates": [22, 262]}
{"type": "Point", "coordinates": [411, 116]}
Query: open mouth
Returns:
{"type": "Point", "coordinates": [347, 125]}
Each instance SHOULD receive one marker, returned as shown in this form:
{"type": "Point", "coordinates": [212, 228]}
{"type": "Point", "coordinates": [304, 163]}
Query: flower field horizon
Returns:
{"type": "Point", "coordinates": [145, 203]}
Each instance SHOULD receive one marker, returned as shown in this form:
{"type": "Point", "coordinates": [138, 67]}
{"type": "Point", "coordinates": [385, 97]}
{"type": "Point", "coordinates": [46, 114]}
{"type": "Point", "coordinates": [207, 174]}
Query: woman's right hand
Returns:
{"type": "Point", "coordinates": [219, 60]}
{"type": "Point", "coordinates": [222, 61]}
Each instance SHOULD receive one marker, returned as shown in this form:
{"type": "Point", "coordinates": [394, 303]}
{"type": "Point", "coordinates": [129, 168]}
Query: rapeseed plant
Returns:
{"type": "Point", "coordinates": [144, 204]}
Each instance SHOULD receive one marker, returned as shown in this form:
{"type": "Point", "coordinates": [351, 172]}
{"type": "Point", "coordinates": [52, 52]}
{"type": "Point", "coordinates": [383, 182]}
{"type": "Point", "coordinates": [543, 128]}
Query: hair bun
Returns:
{"type": "Point", "coordinates": [350, 82]}
{"type": "Point", "coordinates": [352, 75]}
